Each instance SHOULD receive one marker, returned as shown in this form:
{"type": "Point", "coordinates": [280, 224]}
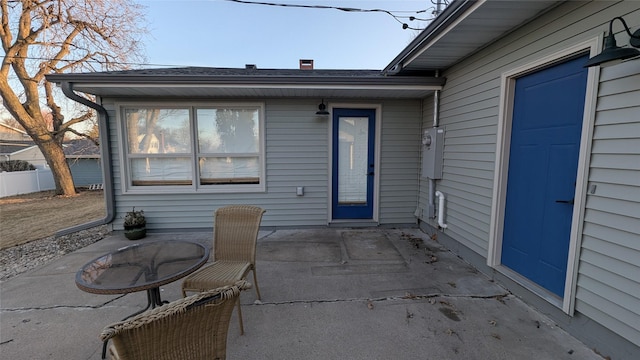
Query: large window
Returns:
{"type": "Point", "coordinates": [203, 148]}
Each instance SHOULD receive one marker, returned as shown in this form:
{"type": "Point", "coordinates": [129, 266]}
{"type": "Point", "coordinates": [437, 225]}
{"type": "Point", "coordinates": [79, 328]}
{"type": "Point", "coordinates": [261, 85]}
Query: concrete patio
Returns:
{"type": "Point", "coordinates": [326, 294]}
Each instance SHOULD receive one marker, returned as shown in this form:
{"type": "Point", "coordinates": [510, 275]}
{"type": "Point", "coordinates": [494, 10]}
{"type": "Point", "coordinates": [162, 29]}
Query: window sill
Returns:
{"type": "Point", "coordinates": [189, 189]}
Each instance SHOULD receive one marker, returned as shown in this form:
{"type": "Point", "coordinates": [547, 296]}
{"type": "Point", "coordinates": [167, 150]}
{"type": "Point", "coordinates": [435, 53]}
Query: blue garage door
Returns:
{"type": "Point", "coordinates": [543, 162]}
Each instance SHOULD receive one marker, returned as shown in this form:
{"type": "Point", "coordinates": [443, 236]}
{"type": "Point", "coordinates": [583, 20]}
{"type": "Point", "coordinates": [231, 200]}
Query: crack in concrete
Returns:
{"type": "Point", "coordinates": [408, 296]}
{"type": "Point", "coordinates": [26, 309]}
{"type": "Point", "coordinates": [267, 235]}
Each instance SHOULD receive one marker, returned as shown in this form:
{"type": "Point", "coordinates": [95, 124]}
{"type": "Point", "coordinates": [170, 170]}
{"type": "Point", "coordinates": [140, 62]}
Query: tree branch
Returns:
{"type": "Point", "coordinates": [62, 52]}
{"type": "Point", "coordinates": [5, 30]}
{"type": "Point", "coordinates": [67, 125]}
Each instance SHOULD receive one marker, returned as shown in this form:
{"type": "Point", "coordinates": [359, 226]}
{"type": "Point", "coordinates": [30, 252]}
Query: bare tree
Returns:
{"type": "Point", "coordinates": [55, 36]}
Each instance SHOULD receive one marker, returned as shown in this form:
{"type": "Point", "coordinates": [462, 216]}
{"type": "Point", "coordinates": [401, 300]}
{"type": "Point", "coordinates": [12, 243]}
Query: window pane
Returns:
{"type": "Point", "coordinates": [163, 145]}
{"type": "Point", "coordinates": [228, 131]}
{"type": "Point", "coordinates": [158, 131]}
{"type": "Point", "coordinates": [160, 171]}
{"type": "Point", "coordinates": [229, 170]}
{"type": "Point", "coordinates": [352, 160]}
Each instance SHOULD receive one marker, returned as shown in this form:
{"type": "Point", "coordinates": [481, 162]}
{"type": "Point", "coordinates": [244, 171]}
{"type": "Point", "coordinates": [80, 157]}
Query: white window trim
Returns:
{"type": "Point", "coordinates": [195, 187]}
{"type": "Point", "coordinates": [494, 256]}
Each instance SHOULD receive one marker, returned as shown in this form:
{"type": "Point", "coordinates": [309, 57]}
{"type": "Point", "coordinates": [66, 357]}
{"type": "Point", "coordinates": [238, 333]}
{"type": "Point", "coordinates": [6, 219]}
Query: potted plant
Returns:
{"type": "Point", "coordinates": [135, 225]}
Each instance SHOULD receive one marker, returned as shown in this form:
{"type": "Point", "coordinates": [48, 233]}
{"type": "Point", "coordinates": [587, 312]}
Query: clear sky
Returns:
{"type": "Point", "coordinates": [220, 33]}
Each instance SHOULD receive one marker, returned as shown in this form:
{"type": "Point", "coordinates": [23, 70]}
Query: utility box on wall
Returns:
{"type": "Point", "coordinates": [432, 148]}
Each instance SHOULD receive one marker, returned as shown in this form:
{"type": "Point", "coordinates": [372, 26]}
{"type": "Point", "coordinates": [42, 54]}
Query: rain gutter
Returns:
{"type": "Point", "coordinates": [107, 174]}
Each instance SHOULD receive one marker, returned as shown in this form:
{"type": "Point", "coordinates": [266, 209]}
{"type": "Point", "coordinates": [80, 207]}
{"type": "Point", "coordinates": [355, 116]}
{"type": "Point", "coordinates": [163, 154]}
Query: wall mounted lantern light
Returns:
{"type": "Point", "coordinates": [322, 109]}
{"type": "Point", "coordinates": [612, 54]}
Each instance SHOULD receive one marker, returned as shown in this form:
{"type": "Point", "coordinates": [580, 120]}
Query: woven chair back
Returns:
{"type": "Point", "coordinates": [235, 232]}
{"type": "Point", "coordinates": [194, 327]}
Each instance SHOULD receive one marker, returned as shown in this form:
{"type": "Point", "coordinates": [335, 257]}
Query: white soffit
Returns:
{"type": "Point", "coordinates": [481, 24]}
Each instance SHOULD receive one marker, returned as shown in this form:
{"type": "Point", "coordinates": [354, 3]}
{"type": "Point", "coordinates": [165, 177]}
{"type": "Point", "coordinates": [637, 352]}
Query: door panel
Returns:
{"type": "Point", "coordinates": [543, 163]}
{"type": "Point", "coordinates": [353, 163]}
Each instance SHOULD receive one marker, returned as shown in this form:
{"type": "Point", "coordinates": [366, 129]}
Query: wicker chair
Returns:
{"type": "Point", "coordinates": [191, 328]}
{"type": "Point", "coordinates": [235, 233]}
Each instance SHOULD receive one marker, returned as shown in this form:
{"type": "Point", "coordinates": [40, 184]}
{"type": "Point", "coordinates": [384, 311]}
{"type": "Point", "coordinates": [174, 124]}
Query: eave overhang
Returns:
{"type": "Point", "coordinates": [463, 28]}
{"type": "Point", "coordinates": [241, 83]}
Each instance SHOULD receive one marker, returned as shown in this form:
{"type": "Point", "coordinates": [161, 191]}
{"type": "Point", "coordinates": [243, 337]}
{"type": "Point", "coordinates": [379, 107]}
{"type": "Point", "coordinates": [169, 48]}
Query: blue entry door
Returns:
{"type": "Point", "coordinates": [543, 162]}
{"type": "Point", "coordinates": [353, 163]}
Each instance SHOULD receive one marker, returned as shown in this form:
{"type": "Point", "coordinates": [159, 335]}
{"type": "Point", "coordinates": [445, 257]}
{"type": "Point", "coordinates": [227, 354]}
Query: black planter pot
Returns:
{"type": "Point", "coordinates": [135, 232]}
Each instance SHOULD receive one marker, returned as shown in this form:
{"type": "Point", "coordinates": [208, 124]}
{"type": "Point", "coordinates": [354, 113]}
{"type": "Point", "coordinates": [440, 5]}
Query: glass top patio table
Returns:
{"type": "Point", "coordinates": [142, 266]}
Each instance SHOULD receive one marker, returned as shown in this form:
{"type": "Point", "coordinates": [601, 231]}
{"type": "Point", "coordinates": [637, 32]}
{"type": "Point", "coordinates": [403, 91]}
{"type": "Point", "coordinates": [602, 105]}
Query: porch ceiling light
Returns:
{"type": "Point", "coordinates": [322, 109]}
{"type": "Point", "coordinates": [612, 54]}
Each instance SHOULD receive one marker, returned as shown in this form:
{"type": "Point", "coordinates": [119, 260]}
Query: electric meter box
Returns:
{"type": "Point", "coordinates": [432, 148]}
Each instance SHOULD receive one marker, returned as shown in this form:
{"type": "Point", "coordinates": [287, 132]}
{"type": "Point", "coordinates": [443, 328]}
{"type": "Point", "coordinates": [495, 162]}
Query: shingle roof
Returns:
{"type": "Point", "coordinates": [243, 75]}
{"type": "Point", "coordinates": [72, 148]}
{"type": "Point", "coordinates": [81, 147]}
{"type": "Point", "coordinates": [245, 72]}
{"type": "Point", "coordinates": [8, 147]}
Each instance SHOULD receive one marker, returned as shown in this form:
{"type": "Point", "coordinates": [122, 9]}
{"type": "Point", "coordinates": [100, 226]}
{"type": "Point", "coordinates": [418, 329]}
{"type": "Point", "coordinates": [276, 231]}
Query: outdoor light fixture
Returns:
{"type": "Point", "coordinates": [322, 109]}
{"type": "Point", "coordinates": [612, 54]}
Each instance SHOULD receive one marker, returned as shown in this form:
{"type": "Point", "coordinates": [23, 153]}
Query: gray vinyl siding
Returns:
{"type": "Point", "coordinates": [608, 288]}
{"type": "Point", "coordinates": [297, 148]}
{"type": "Point", "coordinates": [423, 192]}
{"type": "Point", "coordinates": [85, 171]}
{"type": "Point", "coordinates": [399, 161]}
{"type": "Point", "coordinates": [608, 283]}
{"type": "Point", "coordinates": [297, 154]}
{"type": "Point", "coordinates": [469, 119]}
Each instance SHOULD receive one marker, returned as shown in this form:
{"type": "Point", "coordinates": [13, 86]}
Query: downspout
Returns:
{"type": "Point", "coordinates": [436, 122]}
{"type": "Point", "coordinates": [107, 174]}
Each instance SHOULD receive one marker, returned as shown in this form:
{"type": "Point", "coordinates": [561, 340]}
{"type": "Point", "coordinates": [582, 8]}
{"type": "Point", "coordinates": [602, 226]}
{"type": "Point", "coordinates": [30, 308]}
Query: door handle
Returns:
{"type": "Point", "coordinates": [370, 173]}
{"type": "Point", "coordinates": [565, 201]}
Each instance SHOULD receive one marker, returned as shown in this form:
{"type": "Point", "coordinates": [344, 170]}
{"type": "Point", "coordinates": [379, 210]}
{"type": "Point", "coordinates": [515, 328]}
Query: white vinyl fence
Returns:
{"type": "Point", "coordinates": [24, 182]}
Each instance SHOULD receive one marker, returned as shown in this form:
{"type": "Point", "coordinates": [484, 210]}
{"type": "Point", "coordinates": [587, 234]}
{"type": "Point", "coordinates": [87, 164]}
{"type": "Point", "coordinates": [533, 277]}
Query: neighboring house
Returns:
{"type": "Point", "coordinates": [15, 144]}
{"type": "Point", "coordinates": [24, 150]}
{"type": "Point", "coordinates": [82, 155]}
{"type": "Point", "coordinates": [530, 159]}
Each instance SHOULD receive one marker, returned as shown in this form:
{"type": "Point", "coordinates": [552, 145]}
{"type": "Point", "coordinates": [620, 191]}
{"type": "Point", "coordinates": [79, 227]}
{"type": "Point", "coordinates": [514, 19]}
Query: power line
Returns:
{"type": "Point", "coordinates": [92, 61]}
{"type": "Point", "coordinates": [391, 13]}
{"type": "Point", "coordinates": [437, 9]}
{"type": "Point", "coordinates": [342, 8]}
